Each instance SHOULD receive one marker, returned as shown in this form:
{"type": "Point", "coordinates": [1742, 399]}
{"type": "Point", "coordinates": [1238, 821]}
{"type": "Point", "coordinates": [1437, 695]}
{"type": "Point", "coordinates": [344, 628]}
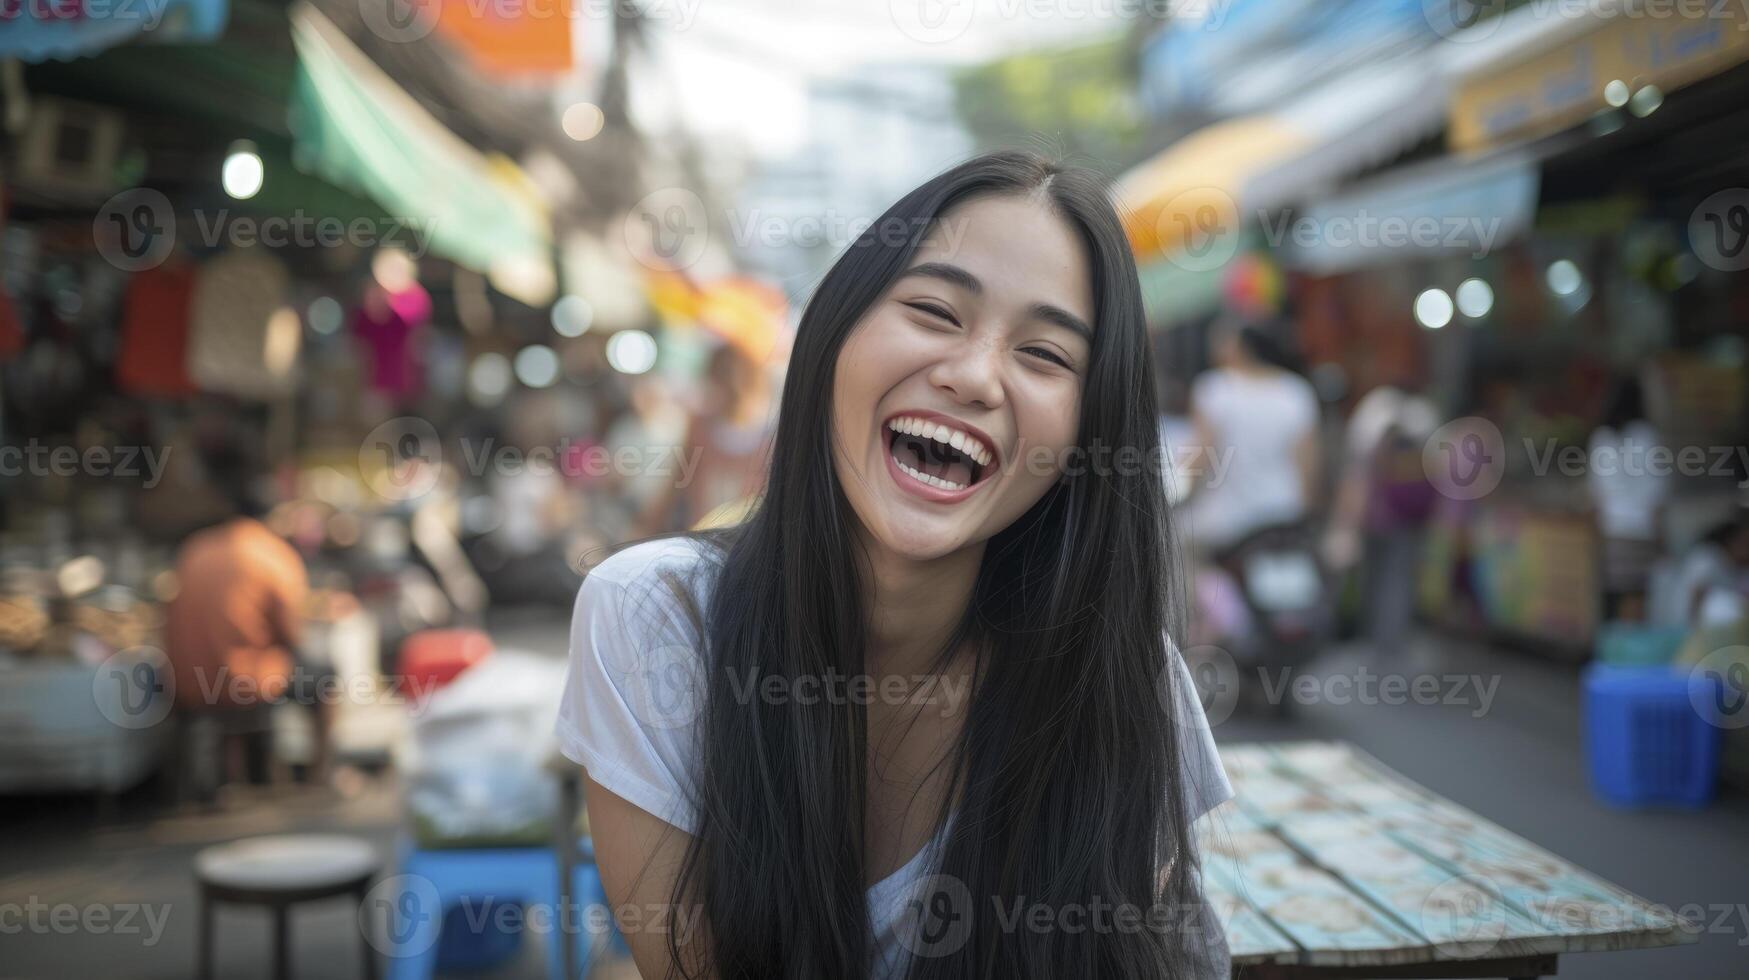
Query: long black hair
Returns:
{"type": "Point", "coordinates": [1065, 778]}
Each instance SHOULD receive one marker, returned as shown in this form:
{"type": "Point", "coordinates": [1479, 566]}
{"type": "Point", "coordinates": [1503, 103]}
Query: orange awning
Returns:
{"type": "Point", "coordinates": [1189, 194]}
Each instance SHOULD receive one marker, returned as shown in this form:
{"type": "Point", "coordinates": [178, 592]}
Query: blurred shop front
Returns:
{"type": "Point", "coordinates": [1514, 220]}
{"type": "Point", "coordinates": [1592, 280]}
{"type": "Point", "coordinates": [358, 263]}
{"type": "Point", "coordinates": [280, 308]}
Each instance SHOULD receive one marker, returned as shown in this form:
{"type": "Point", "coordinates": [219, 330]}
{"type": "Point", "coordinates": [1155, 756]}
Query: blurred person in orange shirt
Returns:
{"type": "Point", "coordinates": [233, 629]}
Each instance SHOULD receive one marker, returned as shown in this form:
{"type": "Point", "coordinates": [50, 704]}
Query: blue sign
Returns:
{"type": "Point", "coordinates": [38, 30]}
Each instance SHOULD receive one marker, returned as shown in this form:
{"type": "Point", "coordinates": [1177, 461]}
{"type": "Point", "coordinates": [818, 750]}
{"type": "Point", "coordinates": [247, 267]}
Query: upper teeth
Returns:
{"type": "Point", "coordinates": [963, 441]}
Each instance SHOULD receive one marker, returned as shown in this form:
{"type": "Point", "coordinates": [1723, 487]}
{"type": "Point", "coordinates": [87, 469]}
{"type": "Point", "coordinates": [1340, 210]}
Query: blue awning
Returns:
{"type": "Point", "coordinates": [40, 30]}
{"type": "Point", "coordinates": [1454, 205]}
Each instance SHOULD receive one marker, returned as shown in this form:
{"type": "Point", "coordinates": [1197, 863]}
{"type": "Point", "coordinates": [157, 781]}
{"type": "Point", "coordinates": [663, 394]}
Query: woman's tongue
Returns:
{"type": "Point", "coordinates": [914, 454]}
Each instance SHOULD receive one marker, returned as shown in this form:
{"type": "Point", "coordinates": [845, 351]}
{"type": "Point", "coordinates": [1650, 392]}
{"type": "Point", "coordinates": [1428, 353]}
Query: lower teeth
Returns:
{"type": "Point", "coordinates": [933, 481]}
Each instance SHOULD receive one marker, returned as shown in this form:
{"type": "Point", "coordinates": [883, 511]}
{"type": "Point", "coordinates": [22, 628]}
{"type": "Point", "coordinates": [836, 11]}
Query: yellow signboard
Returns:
{"type": "Point", "coordinates": [1664, 44]}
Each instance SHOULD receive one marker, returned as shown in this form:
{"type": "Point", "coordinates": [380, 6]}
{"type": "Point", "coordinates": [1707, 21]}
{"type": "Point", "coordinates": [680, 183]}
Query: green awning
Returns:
{"type": "Point", "coordinates": [1172, 294]}
{"type": "Point", "coordinates": [355, 127]}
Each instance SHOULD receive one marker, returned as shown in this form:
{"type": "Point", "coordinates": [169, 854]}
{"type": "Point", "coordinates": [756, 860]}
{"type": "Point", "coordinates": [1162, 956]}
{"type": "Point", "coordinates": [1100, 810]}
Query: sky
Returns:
{"type": "Point", "coordinates": [741, 66]}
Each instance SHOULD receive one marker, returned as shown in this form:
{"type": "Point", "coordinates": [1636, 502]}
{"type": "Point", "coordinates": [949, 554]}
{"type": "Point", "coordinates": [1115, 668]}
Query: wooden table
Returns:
{"type": "Point", "coordinates": [1328, 864]}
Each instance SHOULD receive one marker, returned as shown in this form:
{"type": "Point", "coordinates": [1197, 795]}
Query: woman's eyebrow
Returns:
{"type": "Point", "coordinates": [947, 272]}
{"type": "Point", "coordinates": [950, 273]}
{"type": "Point", "coordinates": [1062, 318]}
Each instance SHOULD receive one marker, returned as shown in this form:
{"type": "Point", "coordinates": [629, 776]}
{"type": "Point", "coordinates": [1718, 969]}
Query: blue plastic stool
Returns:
{"type": "Point", "coordinates": [1650, 735]}
{"type": "Point", "coordinates": [430, 883]}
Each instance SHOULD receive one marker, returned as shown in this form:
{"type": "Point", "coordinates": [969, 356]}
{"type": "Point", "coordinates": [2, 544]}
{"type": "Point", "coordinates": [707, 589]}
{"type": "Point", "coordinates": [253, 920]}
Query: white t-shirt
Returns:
{"type": "Point", "coordinates": [1255, 422]}
{"type": "Point", "coordinates": [634, 692]}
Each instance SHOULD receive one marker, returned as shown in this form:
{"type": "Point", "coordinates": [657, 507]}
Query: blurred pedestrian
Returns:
{"type": "Point", "coordinates": [233, 630]}
{"type": "Point", "coordinates": [728, 440]}
{"type": "Point", "coordinates": [1384, 502]}
{"type": "Point", "coordinates": [1628, 497]}
{"type": "Point", "coordinates": [1258, 421]}
{"type": "Point", "coordinates": [1711, 585]}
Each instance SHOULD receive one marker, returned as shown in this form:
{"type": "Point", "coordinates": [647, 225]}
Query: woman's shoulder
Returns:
{"type": "Point", "coordinates": [656, 580]}
{"type": "Point", "coordinates": [634, 687]}
{"type": "Point", "coordinates": [643, 561]}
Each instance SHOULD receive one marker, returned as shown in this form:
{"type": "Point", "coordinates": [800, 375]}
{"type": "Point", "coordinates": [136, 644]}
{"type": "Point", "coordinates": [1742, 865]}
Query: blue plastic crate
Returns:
{"type": "Point", "coordinates": [1629, 644]}
{"type": "Point", "coordinates": [1650, 735]}
{"type": "Point", "coordinates": [475, 938]}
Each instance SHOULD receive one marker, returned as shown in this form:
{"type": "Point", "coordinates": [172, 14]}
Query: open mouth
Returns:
{"type": "Point", "coordinates": [937, 455]}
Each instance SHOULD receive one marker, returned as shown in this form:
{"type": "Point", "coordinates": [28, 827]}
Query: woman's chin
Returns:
{"type": "Point", "coordinates": [905, 538]}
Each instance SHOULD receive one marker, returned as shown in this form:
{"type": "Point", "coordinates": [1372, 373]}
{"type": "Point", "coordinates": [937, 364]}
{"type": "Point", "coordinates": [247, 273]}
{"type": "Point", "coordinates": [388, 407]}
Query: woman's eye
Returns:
{"type": "Point", "coordinates": [1047, 354]}
{"type": "Point", "coordinates": [933, 310]}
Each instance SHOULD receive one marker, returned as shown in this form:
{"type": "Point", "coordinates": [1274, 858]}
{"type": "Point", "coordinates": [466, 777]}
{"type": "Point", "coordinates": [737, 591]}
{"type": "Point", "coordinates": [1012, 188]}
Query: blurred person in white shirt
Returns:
{"type": "Point", "coordinates": [1261, 420]}
{"type": "Point", "coordinates": [1628, 495]}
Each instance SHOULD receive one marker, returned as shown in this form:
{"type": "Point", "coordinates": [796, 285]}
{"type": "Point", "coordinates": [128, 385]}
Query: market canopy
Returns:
{"type": "Point", "coordinates": [1198, 192]}
{"type": "Point", "coordinates": [355, 127]}
{"type": "Point", "coordinates": [1454, 205]}
{"type": "Point", "coordinates": [1353, 123]}
{"type": "Point", "coordinates": [38, 30]}
{"type": "Point", "coordinates": [1188, 198]}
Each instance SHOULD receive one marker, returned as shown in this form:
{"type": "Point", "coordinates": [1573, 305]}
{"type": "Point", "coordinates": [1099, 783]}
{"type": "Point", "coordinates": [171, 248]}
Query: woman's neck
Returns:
{"type": "Point", "coordinates": [914, 606]}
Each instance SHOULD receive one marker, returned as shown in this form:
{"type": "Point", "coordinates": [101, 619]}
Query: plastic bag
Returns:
{"type": "Point", "coordinates": [477, 772]}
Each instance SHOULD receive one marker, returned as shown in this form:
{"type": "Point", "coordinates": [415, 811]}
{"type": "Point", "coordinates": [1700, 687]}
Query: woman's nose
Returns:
{"type": "Point", "coordinates": [972, 373]}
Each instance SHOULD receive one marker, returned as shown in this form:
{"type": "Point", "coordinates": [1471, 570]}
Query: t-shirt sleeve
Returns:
{"type": "Point", "coordinates": [633, 690]}
{"type": "Point", "coordinates": [1205, 780]}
